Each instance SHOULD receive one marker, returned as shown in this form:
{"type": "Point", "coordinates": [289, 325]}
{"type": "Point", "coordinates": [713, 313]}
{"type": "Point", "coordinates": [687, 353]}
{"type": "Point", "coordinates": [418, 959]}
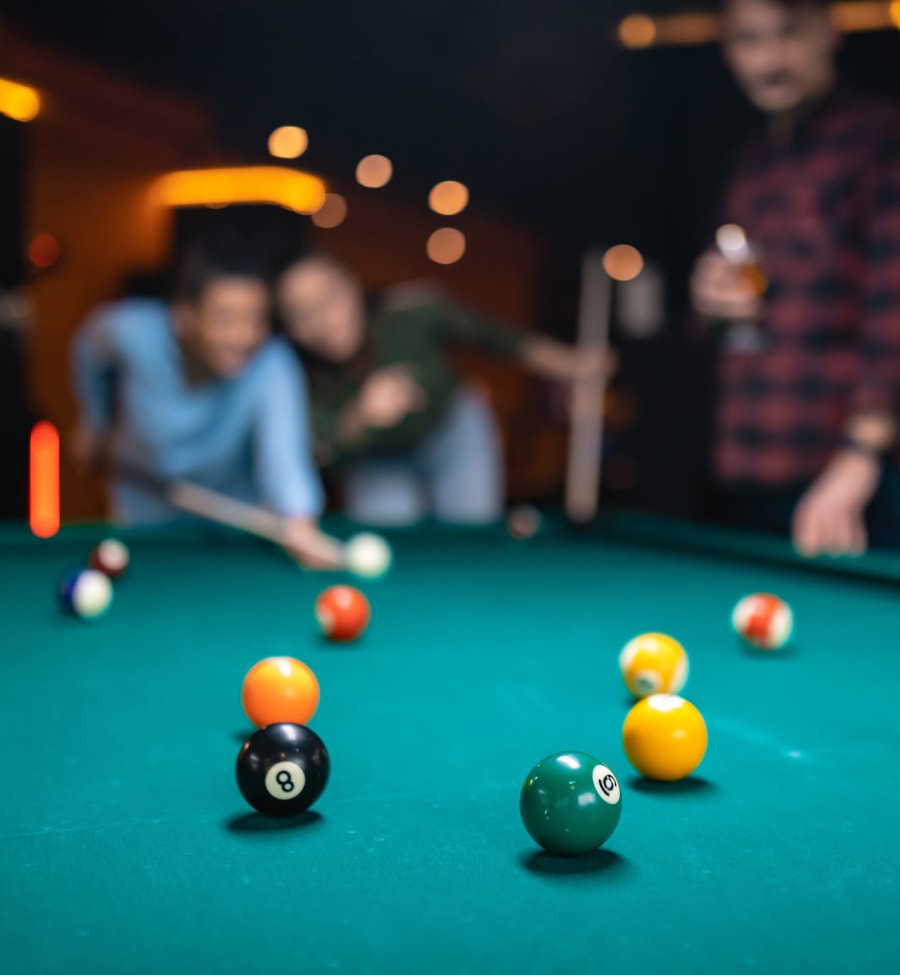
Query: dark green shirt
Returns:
{"type": "Point", "coordinates": [419, 337]}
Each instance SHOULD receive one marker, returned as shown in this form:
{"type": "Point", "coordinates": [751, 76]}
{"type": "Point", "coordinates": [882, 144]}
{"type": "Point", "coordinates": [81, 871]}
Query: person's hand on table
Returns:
{"type": "Point", "coordinates": [720, 290]}
{"type": "Point", "coordinates": [830, 518]}
{"type": "Point", "coordinates": [304, 541]}
{"type": "Point", "coordinates": [387, 396]}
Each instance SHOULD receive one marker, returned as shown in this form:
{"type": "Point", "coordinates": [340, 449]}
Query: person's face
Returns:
{"type": "Point", "coordinates": [780, 57]}
{"type": "Point", "coordinates": [322, 309]}
{"type": "Point", "coordinates": [226, 325]}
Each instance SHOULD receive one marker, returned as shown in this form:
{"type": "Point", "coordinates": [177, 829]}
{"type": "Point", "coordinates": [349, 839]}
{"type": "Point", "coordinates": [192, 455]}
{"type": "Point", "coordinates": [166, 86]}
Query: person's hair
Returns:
{"type": "Point", "coordinates": [309, 258]}
{"type": "Point", "coordinates": [208, 261]}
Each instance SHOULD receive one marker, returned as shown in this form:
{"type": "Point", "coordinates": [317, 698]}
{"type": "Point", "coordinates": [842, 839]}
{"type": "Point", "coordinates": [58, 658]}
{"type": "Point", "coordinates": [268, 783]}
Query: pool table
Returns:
{"type": "Point", "coordinates": [125, 846]}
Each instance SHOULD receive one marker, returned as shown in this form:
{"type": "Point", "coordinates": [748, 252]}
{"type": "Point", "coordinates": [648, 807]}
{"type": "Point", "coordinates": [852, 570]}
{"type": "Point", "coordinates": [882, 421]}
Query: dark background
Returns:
{"type": "Point", "coordinates": [532, 105]}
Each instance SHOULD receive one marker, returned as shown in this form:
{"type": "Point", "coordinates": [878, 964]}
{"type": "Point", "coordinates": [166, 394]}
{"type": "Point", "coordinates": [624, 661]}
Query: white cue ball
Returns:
{"type": "Point", "coordinates": [368, 555]}
{"type": "Point", "coordinates": [92, 594]}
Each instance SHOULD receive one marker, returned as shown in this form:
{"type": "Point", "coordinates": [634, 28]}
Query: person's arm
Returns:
{"type": "Point", "coordinates": [544, 356]}
{"type": "Point", "coordinates": [370, 418]}
{"type": "Point", "coordinates": [93, 356]}
{"type": "Point", "coordinates": [830, 517]}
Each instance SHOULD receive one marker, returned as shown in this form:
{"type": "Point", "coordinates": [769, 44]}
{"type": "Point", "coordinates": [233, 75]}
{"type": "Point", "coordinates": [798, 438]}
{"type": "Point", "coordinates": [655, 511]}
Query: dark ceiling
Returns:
{"type": "Point", "coordinates": [530, 103]}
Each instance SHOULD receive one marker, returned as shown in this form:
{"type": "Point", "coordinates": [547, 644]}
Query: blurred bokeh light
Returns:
{"type": "Point", "coordinates": [623, 262]}
{"type": "Point", "coordinates": [332, 213]}
{"type": "Point", "coordinates": [446, 246]}
{"type": "Point", "coordinates": [43, 251]}
{"type": "Point", "coordinates": [448, 198]}
{"type": "Point", "coordinates": [288, 142]}
{"type": "Point", "coordinates": [374, 171]}
{"type": "Point", "coordinates": [637, 31]}
{"type": "Point", "coordinates": [288, 188]}
{"type": "Point", "coordinates": [18, 102]}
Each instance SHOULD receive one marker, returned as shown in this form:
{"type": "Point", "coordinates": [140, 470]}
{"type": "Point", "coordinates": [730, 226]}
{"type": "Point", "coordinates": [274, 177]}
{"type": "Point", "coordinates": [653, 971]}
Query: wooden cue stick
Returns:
{"type": "Point", "coordinates": [227, 511]}
{"type": "Point", "coordinates": [588, 394]}
{"type": "Point", "coordinates": [244, 517]}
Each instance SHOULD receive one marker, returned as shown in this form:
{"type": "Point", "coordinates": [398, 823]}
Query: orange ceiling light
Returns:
{"type": "Point", "coordinates": [448, 198]}
{"type": "Point", "coordinates": [18, 102]}
{"type": "Point", "coordinates": [865, 16]}
{"type": "Point", "coordinates": [446, 246]}
{"type": "Point", "coordinates": [374, 171]}
{"type": "Point", "coordinates": [623, 262]}
{"type": "Point", "coordinates": [288, 142]}
{"type": "Point", "coordinates": [333, 212]}
{"type": "Point", "coordinates": [278, 185]}
{"type": "Point", "coordinates": [639, 31]}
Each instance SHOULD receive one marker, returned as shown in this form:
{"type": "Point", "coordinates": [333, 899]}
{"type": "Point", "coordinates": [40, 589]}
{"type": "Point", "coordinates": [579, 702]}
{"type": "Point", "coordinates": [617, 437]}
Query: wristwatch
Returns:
{"type": "Point", "coordinates": [851, 443]}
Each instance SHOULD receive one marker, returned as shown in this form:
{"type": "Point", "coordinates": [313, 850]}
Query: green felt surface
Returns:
{"type": "Point", "coordinates": [126, 847]}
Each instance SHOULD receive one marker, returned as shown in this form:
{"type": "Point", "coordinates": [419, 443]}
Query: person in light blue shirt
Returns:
{"type": "Point", "coordinates": [198, 391]}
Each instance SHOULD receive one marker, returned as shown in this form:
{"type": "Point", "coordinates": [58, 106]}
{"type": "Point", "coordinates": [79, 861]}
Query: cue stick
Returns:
{"type": "Point", "coordinates": [245, 517]}
{"type": "Point", "coordinates": [588, 394]}
{"type": "Point", "coordinates": [224, 510]}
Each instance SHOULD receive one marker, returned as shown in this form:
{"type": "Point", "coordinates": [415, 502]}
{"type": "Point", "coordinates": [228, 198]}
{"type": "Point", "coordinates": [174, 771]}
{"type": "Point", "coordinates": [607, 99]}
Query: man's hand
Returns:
{"type": "Point", "coordinates": [720, 290]}
{"type": "Point", "coordinates": [829, 520]}
{"type": "Point", "coordinates": [387, 397]}
{"type": "Point", "coordinates": [303, 541]}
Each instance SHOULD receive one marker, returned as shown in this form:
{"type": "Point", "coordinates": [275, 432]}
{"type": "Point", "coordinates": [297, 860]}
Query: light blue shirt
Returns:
{"type": "Point", "coordinates": [247, 437]}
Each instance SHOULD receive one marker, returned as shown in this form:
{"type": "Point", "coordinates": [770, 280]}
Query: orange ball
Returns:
{"type": "Point", "coordinates": [665, 737]}
{"type": "Point", "coordinates": [343, 612]}
{"type": "Point", "coordinates": [280, 689]}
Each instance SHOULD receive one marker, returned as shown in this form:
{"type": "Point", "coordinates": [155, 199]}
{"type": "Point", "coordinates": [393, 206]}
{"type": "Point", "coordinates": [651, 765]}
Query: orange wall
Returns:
{"type": "Point", "coordinates": [92, 154]}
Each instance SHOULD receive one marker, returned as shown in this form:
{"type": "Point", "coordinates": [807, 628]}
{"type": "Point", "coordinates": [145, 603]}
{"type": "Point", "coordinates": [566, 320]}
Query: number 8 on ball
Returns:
{"type": "Point", "coordinates": [282, 769]}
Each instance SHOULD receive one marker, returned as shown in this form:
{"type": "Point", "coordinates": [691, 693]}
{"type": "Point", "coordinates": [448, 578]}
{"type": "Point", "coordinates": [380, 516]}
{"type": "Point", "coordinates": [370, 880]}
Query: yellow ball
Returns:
{"type": "Point", "coordinates": [665, 737]}
{"type": "Point", "coordinates": [653, 663]}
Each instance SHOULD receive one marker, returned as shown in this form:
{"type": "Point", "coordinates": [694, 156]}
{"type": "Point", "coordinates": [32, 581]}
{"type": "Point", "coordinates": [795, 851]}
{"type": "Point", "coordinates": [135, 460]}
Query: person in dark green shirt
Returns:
{"type": "Point", "coordinates": [404, 432]}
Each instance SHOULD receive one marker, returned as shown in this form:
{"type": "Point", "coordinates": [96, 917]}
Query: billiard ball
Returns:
{"type": "Point", "coordinates": [570, 803]}
{"type": "Point", "coordinates": [110, 557]}
{"type": "Point", "coordinates": [280, 689]}
{"type": "Point", "coordinates": [665, 737]}
{"type": "Point", "coordinates": [763, 620]}
{"type": "Point", "coordinates": [85, 593]}
{"type": "Point", "coordinates": [282, 769]}
{"type": "Point", "coordinates": [653, 663]}
{"type": "Point", "coordinates": [343, 613]}
{"type": "Point", "coordinates": [368, 556]}
{"type": "Point", "coordinates": [523, 522]}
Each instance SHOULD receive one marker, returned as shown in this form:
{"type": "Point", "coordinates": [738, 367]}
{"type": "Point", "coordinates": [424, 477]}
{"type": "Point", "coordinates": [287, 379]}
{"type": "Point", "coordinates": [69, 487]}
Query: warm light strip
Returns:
{"type": "Point", "coordinates": [856, 18]}
{"type": "Point", "coordinates": [704, 28]}
{"type": "Point", "coordinates": [289, 188]}
{"type": "Point", "coordinates": [688, 29]}
{"type": "Point", "coordinates": [44, 480]}
{"type": "Point", "coordinates": [17, 101]}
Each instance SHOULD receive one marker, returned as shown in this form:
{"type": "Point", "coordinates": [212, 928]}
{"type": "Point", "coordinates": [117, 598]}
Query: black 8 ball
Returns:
{"type": "Point", "coordinates": [282, 769]}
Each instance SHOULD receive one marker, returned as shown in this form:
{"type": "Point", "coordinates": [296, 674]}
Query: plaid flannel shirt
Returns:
{"type": "Point", "coordinates": [824, 208]}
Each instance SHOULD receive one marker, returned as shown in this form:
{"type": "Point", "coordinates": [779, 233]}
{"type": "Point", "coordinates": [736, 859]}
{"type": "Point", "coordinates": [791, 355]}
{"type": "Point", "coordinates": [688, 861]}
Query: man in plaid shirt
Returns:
{"type": "Point", "coordinates": [807, 416]}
